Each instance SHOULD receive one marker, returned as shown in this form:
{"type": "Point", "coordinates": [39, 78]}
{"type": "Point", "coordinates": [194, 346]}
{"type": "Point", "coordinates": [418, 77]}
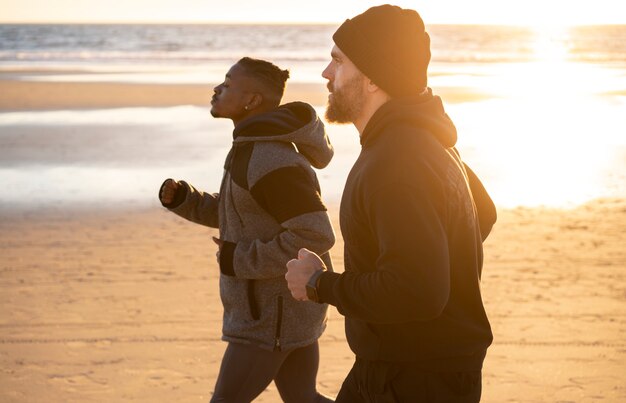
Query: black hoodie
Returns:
{"type": "Point", "coordinates": [413, 244]}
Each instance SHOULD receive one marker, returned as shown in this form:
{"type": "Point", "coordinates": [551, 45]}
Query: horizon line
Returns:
{"type": "Point", "coordinates": [278, 23]}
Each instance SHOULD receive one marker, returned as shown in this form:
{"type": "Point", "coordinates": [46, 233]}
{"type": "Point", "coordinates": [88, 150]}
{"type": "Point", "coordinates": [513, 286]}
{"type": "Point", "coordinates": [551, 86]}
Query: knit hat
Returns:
{"type": "Point", "coordinates": [390, 46]}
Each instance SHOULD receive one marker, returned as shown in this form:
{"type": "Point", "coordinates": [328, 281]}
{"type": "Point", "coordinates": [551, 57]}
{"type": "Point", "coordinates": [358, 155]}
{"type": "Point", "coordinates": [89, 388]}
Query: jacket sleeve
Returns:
{"type": "Point", "coordinates": [196, 206]}
{"type": "Point", "coordinates": [485, 207]}
{"type": "Point", "coordinates": [291, 196]}
{"type": "Point", "coordinates": [412, 277]}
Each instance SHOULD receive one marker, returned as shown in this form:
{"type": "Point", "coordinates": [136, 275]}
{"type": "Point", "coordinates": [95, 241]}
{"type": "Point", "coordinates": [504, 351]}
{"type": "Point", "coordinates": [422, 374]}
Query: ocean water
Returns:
{"type": "Point", "coordinates": [155, 44]}
{"type": "Point", "coordinates": [548, 129]}
{"type": "Point", "coordinates": [135, 51]}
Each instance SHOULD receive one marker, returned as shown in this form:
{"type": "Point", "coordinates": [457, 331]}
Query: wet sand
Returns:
{"type": "Point", "coordinates": [38, 95]}
{"type": "Point", "coordinates": [30, 93]}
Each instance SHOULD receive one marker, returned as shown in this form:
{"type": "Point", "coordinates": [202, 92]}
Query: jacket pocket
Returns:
{"type": "Point", "coordinates": [254, 308]}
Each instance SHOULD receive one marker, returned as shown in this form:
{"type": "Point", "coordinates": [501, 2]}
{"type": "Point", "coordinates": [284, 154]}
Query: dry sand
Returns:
{"type": "Point", "coordinates": [123, 305]}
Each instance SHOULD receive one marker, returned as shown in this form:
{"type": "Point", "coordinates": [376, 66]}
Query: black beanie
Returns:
{"type": "Point", "coordinates": [390, 46]}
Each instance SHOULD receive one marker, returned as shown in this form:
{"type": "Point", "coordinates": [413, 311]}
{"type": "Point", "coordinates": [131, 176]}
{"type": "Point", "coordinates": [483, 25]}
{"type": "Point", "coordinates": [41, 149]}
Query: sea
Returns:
{"type": "Point", "coordinates": [540, 111]}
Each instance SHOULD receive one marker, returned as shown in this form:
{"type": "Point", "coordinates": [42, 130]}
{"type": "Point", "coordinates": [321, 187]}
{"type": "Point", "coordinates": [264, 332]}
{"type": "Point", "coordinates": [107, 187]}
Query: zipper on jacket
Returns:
{"type": "Point", "coordinates": [279, 322]}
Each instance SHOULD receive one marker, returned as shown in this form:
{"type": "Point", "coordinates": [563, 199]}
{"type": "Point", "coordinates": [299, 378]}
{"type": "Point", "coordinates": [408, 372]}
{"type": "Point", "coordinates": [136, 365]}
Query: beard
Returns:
{"type": "Point", "coordinates": [346, 103]}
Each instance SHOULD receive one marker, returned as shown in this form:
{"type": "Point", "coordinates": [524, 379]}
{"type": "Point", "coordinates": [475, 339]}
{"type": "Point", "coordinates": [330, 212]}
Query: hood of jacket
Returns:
{"type": "Point", "coordinates": [424, 111]}
{"type": "Point", "coordinates": [295, 122]}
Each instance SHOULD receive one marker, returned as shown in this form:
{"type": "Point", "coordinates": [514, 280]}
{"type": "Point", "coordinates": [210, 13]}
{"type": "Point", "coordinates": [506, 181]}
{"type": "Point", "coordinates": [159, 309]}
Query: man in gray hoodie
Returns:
{"type": "Point", "coordinates": [413, 218]}
{"type": "Point", "coordinates": [269, 206]}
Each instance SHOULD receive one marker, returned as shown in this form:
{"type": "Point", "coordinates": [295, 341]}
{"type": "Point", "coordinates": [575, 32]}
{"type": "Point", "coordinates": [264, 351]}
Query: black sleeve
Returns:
{"type": "Point", "coordinates": [412, 277]}
{"type": "Point", "coordinates": [227, 253]}
{"type": "Point", "coordinates": [487, 214]}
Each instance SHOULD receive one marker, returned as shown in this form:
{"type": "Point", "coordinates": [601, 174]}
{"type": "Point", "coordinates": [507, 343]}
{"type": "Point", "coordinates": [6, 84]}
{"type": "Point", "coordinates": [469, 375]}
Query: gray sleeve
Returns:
{"type": "Point", "coordinates": [199, 207]}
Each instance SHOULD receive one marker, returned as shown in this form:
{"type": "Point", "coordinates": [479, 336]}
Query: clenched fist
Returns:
{"type": "Point", "coordinates": [300, 270]}
{"type": "Point", "coordinates": [168, 191]}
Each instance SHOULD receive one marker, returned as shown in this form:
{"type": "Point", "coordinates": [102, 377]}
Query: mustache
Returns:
{"type": "Point", "coordinates": [329, 86]}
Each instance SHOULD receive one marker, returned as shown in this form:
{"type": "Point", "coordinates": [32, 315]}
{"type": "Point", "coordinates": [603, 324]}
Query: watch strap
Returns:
{"type": "Point", "coordinates": [311, 286]}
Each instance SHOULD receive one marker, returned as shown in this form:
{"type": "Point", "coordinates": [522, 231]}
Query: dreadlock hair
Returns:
{"type": "Point", "coordinates": [270, 76]}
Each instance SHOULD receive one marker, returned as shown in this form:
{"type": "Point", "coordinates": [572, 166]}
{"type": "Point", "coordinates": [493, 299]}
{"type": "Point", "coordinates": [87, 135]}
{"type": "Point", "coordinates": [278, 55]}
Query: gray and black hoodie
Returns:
{"type": "Point", "coordinates": [269, 206]}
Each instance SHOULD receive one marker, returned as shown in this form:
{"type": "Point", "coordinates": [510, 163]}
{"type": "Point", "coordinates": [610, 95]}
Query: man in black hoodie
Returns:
{"type": "Point", "coordinates": [413, 218]}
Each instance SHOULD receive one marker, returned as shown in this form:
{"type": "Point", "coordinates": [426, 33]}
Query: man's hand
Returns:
{"type": "Point", "coordinates": [219, 244]}
{"type": "Point", "coordinates": [168, 192]}
{"type": "Point", "coordinates": [300, 270]}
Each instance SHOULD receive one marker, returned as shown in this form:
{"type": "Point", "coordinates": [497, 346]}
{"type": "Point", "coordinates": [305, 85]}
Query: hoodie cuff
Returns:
{"type": "Point", "coordinates": [179, 197]}
{"type": "Point", "coordinates": [325, 285]}
{"type": "Point", "coordinates": [227, 254]}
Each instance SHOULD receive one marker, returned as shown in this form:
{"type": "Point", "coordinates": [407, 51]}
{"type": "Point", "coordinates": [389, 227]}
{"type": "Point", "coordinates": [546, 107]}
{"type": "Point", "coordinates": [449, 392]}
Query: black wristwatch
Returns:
{"type": "Point", "coordinates": [311, 286]}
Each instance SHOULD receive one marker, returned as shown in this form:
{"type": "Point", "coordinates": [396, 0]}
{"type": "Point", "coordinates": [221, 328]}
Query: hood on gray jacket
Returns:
{"type": "Point", "coordinates": [295, 122]}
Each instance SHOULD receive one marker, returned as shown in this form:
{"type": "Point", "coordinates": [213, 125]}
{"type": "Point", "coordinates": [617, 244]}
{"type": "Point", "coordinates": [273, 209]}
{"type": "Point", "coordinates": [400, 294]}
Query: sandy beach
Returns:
{"type": "Point", "coordinates": [123, 305]}
{"type": "Point", "coordinates": [115, 303]}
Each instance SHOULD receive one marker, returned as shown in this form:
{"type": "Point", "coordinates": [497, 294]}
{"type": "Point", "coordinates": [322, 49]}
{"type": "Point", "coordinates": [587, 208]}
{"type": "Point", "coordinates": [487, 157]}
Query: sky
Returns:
{"type": "Point", "coordinates": [504, 12]}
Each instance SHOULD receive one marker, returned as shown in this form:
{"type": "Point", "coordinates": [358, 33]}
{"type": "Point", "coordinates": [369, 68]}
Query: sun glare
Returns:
{"type": "Point", "coordinates": [550, 130]}
{"type": "Point", "coordinates": [550, 43]}
{"type": "Point", "coordinates": [549, 69]}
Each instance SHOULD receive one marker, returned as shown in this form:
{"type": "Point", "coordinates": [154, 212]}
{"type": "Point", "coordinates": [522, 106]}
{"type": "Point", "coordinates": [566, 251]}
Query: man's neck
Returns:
{"type": "Point", "coordinates": [370, 107]}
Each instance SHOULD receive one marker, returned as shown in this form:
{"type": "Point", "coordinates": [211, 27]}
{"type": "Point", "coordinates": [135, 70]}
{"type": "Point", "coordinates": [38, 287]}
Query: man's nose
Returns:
{"type": "Point", "coordinates": [326, 72]}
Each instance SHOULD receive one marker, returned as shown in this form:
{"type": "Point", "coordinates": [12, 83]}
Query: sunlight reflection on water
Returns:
{"type": "Point", "coordinates": [553, 137]}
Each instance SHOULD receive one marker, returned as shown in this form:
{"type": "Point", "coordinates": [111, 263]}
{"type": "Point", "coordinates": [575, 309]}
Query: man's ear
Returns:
{"type": "Point", "coordinates": [255, 101]}
{"type": "Point", "coordinates": [376, 91]}
{"type": "Point", "coordinates": [370, 86]}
